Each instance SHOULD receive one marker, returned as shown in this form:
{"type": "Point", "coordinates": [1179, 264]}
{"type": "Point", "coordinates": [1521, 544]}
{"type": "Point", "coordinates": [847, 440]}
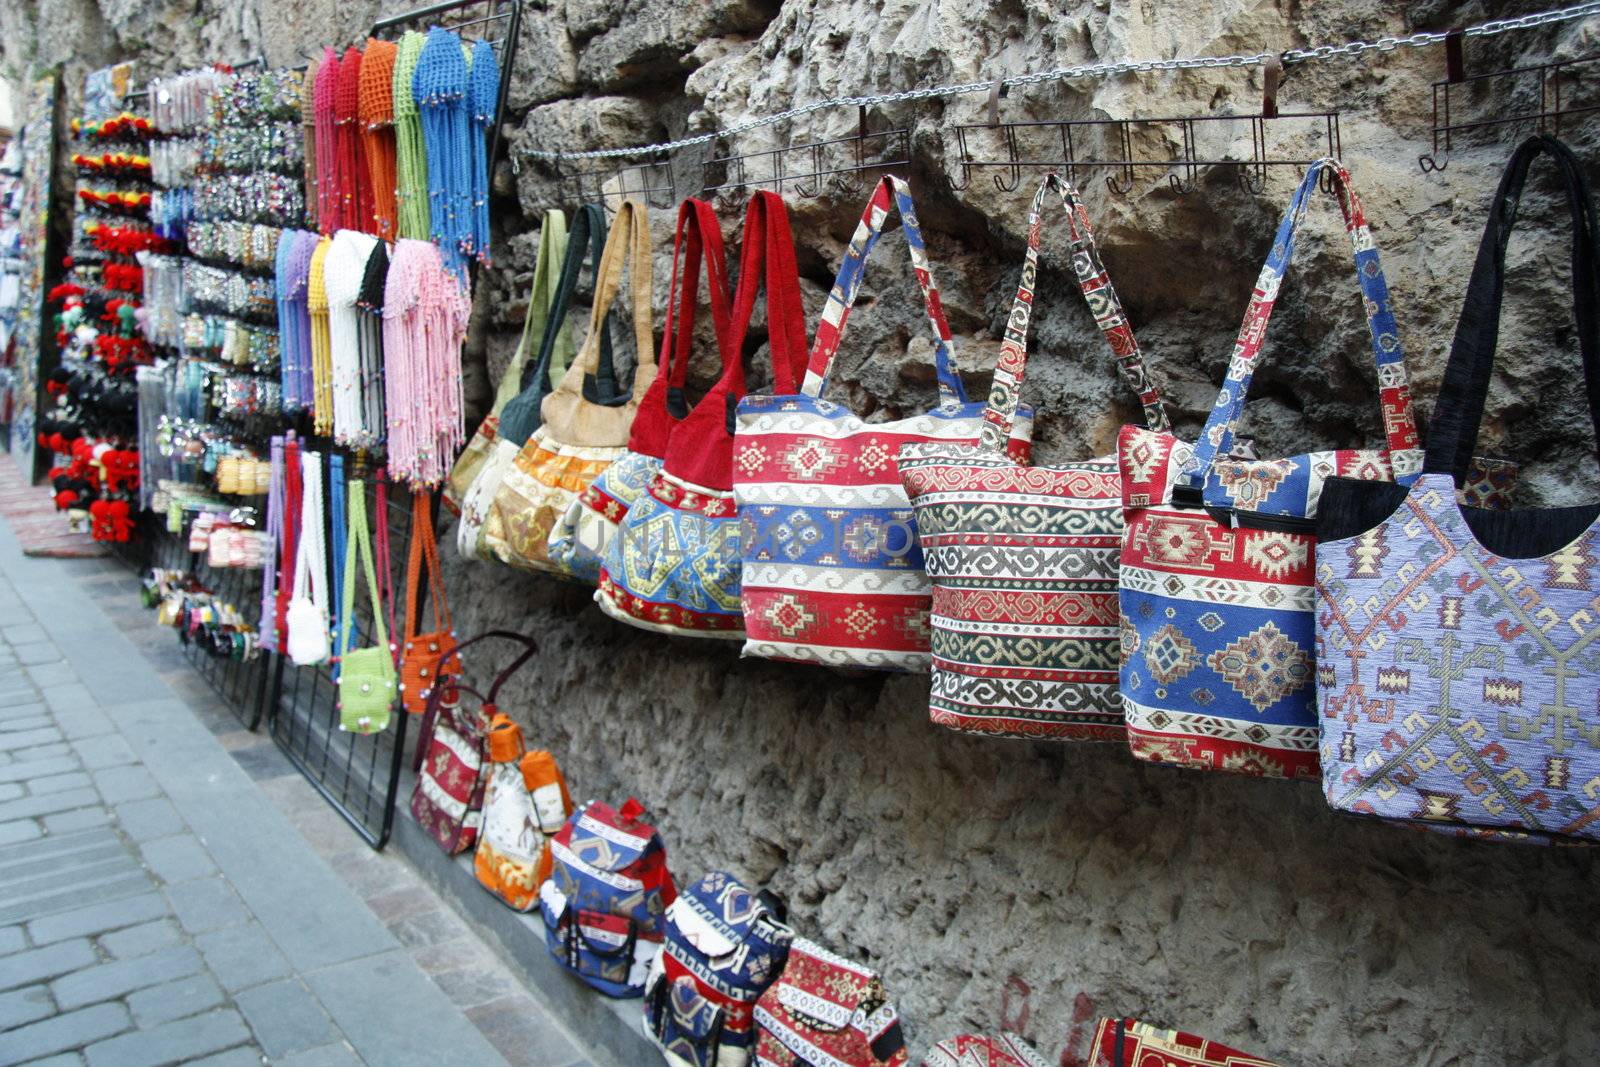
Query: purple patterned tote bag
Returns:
{"type": "Point", "coordinates": [1458, 648]}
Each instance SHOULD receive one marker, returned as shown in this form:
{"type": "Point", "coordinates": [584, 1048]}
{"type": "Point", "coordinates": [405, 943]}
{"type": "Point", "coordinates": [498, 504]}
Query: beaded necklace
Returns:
{"type": "Point", "coordinates": [321, 351]}
{"type": "Point", "coordinates": [329, 193]}
{"type": "Point", "coordinates": [336, 526]}
{"type": "Point", "coordinates": [355, 178]}
{"type": "Point", "coordinates": [485, 101]}
{"type": "Point", "coordinates": [440, 88]}
{"type": "Point", "coordinates": [308, 121]}
{"type": "Point", "coordinates": [425, 315]}
{"type": "Point", "coordinates": [376, 113]}
{"type": "Point", "coordinates": [293, 283]}
{"type": "Point", "coordinates": [344, 271]}
{"type": "Point", "coordinates": [411, 161]}
{"type": "Point", "coordinates": [370, 339]}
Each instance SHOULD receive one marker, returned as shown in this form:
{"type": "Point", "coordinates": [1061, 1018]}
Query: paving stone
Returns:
{"type": "Point", "coordinates": [242, 956]}
{"type": "Point", "coordinates": [63, 1032]}
{"type": "Point", "coordinates": [68, 822]}
{"type": "Point", "coordinates": [179, 858]}
{"type": "Point", "coordinates": [175, 1042]}
{"type": "Point", "coordinates": [144, 820]}
{"type": "Point", "coordinates": [141, 939]}
{"type": "Point", "coordinates": [108, 751]}
{"type": "Point", "coordinates": [239, 1057]}
{"type": "Point", "coordinates": [97, 919]}
{"type": "Point", "coordinates": [19, 830]}
{"type": "Point", "coordinates": [12, 790]}
{"type": "Point", "coordinates": [42, 964]}
{"type": "Point", "coordinates": [83, 722]}
{"type": "Point", "coordinates": [19, 696]}
{"type": "Point", "coordinates": [470, 987]}
{"type": "Point", "coordinates": [66, 1059]}
{"type": "Point", "coordinates": [25, 723]}
{"type": "Point", "coordinates": [55, 783]}
{"type": "Point", "coordinates": [427, 928]}
{"type": "Point", "coordinates": [29, 807]}
{"type": "Point", "coordinates": [206, 904]}
{"type": "Point", "coordinates": [12, 939]}
{"type": "Point", "coordinates": [111, 980]}
{"type": "Point", "coordinates": [523, 1032]}
{"type": "Point", "coordinates": [364, 995]}
{"type": "Point", "coordinates": [335, 1055]}
{"type": "Point", "coordinates": [34, 652]}
{"type": "Point", "coordinates": [402, 902]}
{"type": "Point", "coordinates": [20, 770]}
{"type": "Point", "coordinates": [22, 1006]}
{"type": "Point", "coordinates": [67, 697]}
{"type": "Point", "coordinates": [54, 750]}
{"type": "Point", "coordinates": [21, 709]}
{"type": "Point", "coordinates": [175, 1000]}
{"type": "Point", "coordinates": [52, 675]}
{"type": "Point", "coordinates": [286, 1018]}
{"type": "Point", "coordinates": [11, 742]}
{"type": "Point", "coordinates": [120, 784]}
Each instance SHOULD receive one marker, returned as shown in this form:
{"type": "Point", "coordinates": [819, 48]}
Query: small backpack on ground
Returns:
{"type": "Point", "coordinates": [1130, 1043]}
{"type": "Point", "coordinates": [980, 1050]}
{"type": "Point", "coordinates": [448, 796]}
{"type": "Point", "coordinates": [724, 945]}
{"type": "Point", "coordinates": [825, 1011]}
{"type": "Point", "coordinates": [525, 802]}
{"type": "Point", "coordinates": [604, 905]}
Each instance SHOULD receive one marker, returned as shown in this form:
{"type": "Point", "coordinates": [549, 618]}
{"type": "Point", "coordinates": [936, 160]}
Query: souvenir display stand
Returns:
{"type": "Point", "coordinates": [261, 395]}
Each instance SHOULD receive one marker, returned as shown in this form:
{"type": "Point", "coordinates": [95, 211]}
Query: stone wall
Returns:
{"type": "Point", "coordinates": [1072, 876]}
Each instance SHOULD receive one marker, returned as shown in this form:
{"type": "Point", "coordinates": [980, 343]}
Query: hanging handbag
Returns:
{"type": "Point", "coordinates": [674, 564]}
{"type": "Point", "coordinates": [605, 901]}
{"type": "Point", "coordinates": [1130, 1043]}
{"type": "Point", "coordinates": [832, 571]}
{"type": "Point", "coordinates": [366, 675]}
{"type": "Point", "coordinates": [582, 537]}
{"type": "Point", "coordinates": [520, 417]}
{"type": "Point", "coordinates": [975, 1050]}
{"type": "Point", "coordinates": [447, 801]}
{"type": "Point", "coordinates": [524, 802]}
{"type": "Point", "coordinates": [725, 944]}
{"type": "Point", "coordinates": [578, 438]}
{"type": "Point", "coordinates": [825, 1011]}
{"type": "Point", "coordinates": [546, 283]}
{"type": "Point", "coordinates": [307, 617]}
{"type": "Point", "coordinates": [1216, 661]}
{"type": "Point", "coordinates": [1024, 559]}
{"type": "Point", "coordinates": [1456, 676]}
{"type": "Point", "coordinates": [420, 652]}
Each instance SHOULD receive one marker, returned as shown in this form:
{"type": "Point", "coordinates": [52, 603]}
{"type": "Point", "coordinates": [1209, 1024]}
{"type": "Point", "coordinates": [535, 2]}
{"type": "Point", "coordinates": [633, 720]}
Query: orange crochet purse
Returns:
{"type": "Point", "coordinates": [420, 653]}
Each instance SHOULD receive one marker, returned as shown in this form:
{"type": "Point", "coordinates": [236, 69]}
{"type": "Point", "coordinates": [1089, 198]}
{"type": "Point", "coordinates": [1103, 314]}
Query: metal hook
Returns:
{"type": "Point", "coordinates": [1251, 179]}
{"type": "Point", "coordinates": [1432, 164]}
{"type": "Point", "coordinates": [1016, 171]}
{"type": "Point", "coordinates": [1182, 186]}
{"type": "Point", "coordinates": [966, 162]}
{"type": "Point", "coordinates": [811, 191]}
{"type": "Point", "coordinates": [1121, 188]}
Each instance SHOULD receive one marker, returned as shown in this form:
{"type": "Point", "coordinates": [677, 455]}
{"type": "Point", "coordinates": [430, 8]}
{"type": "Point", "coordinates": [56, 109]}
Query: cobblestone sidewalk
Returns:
{"type": "Point", "coordinates": [172, 893]}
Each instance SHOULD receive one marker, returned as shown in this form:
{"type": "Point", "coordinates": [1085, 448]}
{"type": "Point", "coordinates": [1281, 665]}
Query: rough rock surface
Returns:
{"type": "Point", "coordinates": [962, 868]}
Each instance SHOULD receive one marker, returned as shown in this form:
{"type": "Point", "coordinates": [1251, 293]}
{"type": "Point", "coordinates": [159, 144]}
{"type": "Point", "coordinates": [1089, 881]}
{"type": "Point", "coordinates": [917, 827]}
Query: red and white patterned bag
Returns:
{"type": "Point", "coordinates": [447, 800]}
{"type": "Point", "coordinates": [825, 1011]}
{"type": "Point", "coordinates": [832, 571]}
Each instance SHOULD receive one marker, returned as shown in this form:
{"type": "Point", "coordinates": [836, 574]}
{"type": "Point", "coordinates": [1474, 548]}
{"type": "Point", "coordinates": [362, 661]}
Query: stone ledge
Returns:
{"type": "Point", "coordinates": [606, 1030]}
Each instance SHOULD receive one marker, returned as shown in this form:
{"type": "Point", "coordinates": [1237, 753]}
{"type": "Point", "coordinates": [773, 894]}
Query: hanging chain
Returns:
{"type": "Point", "coordinates": [1087, 70]}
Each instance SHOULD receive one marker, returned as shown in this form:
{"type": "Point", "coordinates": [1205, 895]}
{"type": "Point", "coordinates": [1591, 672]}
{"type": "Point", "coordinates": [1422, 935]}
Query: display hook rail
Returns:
{"type": "Point", "coordinates": [1350, 49]}
{"type": "Point", "coordinates": [1556, 86]}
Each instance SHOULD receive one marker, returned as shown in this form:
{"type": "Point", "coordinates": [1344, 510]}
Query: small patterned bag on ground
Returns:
{"type": "Point", "coordinates": [825, 1011]}
{"type": "Point", "coordinates": [725, 944]}
{"type": "Point", "coordinates": [605, 903]}
{"type": "Point", "coordinates": [974, 1050]}
{"type": "Point", "coordinates": [524, 802]}
{"type": "Point", "coordinates": [1130, 1043]}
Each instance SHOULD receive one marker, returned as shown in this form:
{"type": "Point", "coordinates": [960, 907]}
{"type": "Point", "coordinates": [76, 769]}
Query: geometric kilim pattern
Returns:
{"type": "Point", "coordinates": [1023, 560]}
{"type": "Point", "coordinates": [827, 1011]}
{"type": "Point", "coordinates": [1216, 597]}
{"type": "Point", "coordinates": [1460, 690]}
{"type": "Point", "coordinates": [978, 1050]}
{"type": "Point", "coordinates": [545, 479]}
{"type": "Point", "coordinates": [832, 571]}
{"type": "Point", "coordinates": [1130, 1043]}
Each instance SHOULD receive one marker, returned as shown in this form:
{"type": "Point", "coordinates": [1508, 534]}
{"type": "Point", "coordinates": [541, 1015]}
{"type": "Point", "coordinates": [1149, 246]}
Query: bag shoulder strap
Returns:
{"type": "Point", "coordinates": [359, 554]}
{"type": "Point", "coordinates": [1394, 387]}
{"type": "Point", "coordinates": [338, 529]}
{"type": "Point", "coordinates": [424, 552]}
{"type": "Point", "coordinates": [311, 564]}
{"type": "Point", "coordinates": [521, 414]}
{"type": "Point", "coordinates": [1458, 413]}
{"type": "Point", "coordinates": [767, 259]}
{"type": "Point", "coordinates": [627, 248]}
{"type": "Point", "coordinates": [1095, 284]}
{"type": "Point", "coordinates": [385, 567]}
{"type": "Point", "coordinates": [547, 279]}
{"type": "Point", "coordinates": [892, 192]}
